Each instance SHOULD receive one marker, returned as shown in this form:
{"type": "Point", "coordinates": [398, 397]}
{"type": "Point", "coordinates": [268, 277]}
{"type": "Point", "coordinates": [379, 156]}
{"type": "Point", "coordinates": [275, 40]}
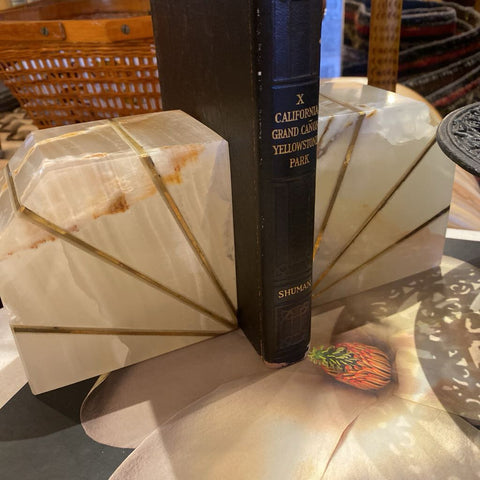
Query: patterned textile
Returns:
{"type": "Point", "coordinates": [14, 127]}
{"type": "Point", "coordinates": [7, 100]}
{"type": "Point", "coordinates": [439, 50]}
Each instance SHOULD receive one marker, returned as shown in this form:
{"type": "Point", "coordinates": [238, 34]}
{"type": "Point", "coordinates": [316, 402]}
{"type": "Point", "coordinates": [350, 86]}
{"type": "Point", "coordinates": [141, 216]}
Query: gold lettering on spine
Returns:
{"type": "Point", "coordinates": [309, 127]}
{"type": "Point", "coordinates": [308, 117]}
{"type": "Point", "coordinates": [281, 133]}
{"type": "Point", "coordinates": [299, 161]}
{"type": "Point", "coordinates": [295, 115]}
{"type": "Point", "coordinates": [285, 148]}
{"type": "Point", "coordinates": [287, 292]}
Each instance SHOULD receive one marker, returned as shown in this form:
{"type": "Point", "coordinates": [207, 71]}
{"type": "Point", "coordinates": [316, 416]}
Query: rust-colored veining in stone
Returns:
{"type": "Point", "coordinates": [49, 238]}
{"type": "Point", "coordinates": [118, 205]}
{"type": "Point", "coordinates": [179, 156]}
{"type": "Point", "coordinates": [93, 156]}
{"type": "Point", "coordinates": [149, 192]}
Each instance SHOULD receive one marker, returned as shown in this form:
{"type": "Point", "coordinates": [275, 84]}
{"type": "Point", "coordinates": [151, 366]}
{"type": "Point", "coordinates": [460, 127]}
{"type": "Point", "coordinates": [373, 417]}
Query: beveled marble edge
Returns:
{"type": "Point", "coordinates": [461, 234]}
{"type": "Point", "coordinates": [12, 374]}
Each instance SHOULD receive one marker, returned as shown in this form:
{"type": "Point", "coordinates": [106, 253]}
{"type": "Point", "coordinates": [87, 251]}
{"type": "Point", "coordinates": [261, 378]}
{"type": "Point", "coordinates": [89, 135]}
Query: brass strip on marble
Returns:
{"type": "Point", "coordinates": [12, 189]}
{"type": "Point", "coordinates": [320, 140]}
{"type": "Point", "coordinates": [341, 175]}
{"type": "Point", "coordinates": [115, 331]}
{"type": "Point", "coordinates": [157, 180]}
{"type": "Point", "coordinates": [325, 130]}
{"type": "Point", "coordinates": [49, 140]}
{"type": "Point", "coordinates": [382, 204]}
{"type": "Point", "coordinates": [343, 104]}
{"type": "Point", "coordinates": [59, 232]}
{"type": "Point", "coordinates": [385, 250]}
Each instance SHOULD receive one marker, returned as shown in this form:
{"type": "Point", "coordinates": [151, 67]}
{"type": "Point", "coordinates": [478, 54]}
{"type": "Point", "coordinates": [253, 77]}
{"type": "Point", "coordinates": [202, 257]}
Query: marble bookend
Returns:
{"type": "Point", "coordinates": [116, 244]}
{"type": "Point", "coordinates": [383, 190]}
{"type": "Point", "coordinates": [116, 237]}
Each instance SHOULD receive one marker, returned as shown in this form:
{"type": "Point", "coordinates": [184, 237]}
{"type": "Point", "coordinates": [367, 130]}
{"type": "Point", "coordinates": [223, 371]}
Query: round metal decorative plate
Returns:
{"type": "Point", "coordinates": [458, 135]}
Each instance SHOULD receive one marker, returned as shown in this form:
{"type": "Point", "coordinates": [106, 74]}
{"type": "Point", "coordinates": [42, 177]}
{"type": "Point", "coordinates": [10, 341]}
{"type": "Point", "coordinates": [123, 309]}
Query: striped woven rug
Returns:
{"type": "Point", "coordinates": [439, 51]}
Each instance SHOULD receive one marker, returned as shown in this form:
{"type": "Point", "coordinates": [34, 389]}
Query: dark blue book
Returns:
{"type": "Point", "coordinates": [250, 71]}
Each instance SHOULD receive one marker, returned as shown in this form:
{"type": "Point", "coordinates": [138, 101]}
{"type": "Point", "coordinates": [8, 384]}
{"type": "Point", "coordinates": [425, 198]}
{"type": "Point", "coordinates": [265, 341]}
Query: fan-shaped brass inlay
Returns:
{"type": "Point", "coordinates": [343, 170]}
{"type": "Point", "coordinates": [341, 175]}
{"type": "Point", "coordinates": [63, 234]}
{"type": "Point", "coordinates": [385, 250]}
{"type": "Point", "coordinates": [157, 180]}
{"type": "Point", "coordinates": [377, 209]}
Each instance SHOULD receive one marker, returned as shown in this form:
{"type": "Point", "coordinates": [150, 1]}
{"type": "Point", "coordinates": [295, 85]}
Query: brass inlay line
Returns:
{"type": "Point", "coordinates": [385, 250]}
{"type": "Point", "coordinates": [382, 203]}
{"type": "Point", "coordinates": [343, 104]}
{"type": "Point", "coordinates": [53, 139]}
{"type": "Point", "coordinates": [320, 140]}
{"type": "Point", "coordinates": [157, 180]}
{"type": "Point", "coordinates": [86, 247]}
{"type": "Point", "coordinates": [325, 130]}
{"type": "Point", "coordinates": [115, 331]}
{"type": "Point", "coordinates": [341, 175]}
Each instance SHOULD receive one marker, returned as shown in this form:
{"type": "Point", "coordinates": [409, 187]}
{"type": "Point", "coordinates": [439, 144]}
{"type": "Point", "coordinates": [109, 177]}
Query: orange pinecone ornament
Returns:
{"type": "Point", "coordinates": [361, 366]}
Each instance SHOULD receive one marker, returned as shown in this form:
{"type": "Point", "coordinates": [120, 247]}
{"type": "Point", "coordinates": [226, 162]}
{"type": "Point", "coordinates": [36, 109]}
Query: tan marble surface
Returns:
{"type": "Point", "coordinates": [297, 422]}
{"type": "Point", "coordinates": [465, 206]}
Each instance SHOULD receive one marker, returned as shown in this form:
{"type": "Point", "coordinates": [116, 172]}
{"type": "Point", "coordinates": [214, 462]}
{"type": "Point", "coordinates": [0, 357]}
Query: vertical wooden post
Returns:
{"type": "Point", "coordinates": [384, 43]}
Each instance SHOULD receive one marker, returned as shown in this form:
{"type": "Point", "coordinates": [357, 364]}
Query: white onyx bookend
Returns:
{"type": "Point", "coordinates": [383, 190]}
{"type": "Point", "coordinates": [116, 237]}
{"type": "Point", "coordinates": [116, 244]}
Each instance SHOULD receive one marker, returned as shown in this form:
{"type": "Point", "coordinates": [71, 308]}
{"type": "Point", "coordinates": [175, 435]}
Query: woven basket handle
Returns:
{"type": "Point", "coordinates": [77, 31]}
{"type": "Point", "coordinates": [384, 43]}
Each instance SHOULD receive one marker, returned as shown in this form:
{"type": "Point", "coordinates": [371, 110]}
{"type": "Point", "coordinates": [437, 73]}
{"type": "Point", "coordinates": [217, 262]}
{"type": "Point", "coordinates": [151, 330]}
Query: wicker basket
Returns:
{"type": "Point", "coordinates": [80, 60]}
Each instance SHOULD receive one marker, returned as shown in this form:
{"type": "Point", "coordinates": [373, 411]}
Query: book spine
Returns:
{"type": "Point", "coordinates": [249, 70]}
{"type": "Point", "coordinates": [288, 57]}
